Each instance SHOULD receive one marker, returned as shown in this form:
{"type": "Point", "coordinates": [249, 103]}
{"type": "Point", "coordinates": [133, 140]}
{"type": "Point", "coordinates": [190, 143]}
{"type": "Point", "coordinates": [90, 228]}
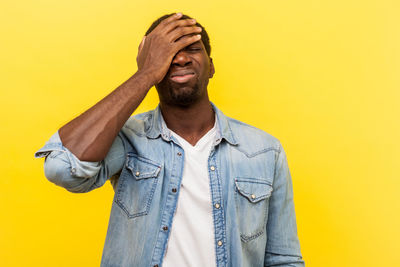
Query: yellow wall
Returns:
{"type": "Point", "coordinates": [322, 76]}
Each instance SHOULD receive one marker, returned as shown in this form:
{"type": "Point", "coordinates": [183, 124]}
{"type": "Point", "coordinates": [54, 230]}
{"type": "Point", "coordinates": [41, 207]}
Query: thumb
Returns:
{"type": "Point", "coordinates": [142, 43]}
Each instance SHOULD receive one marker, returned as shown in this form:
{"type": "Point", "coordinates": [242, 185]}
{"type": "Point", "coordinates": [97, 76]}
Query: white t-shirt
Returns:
{"type": "Point", "coordinates": [191, 241]}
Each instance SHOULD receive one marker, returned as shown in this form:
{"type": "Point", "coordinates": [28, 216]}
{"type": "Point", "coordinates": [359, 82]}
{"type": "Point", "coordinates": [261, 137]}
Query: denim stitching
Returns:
{"type": "Point", "coordinates": [246, 238]}
{"type": "Point", "coordinates": [250, 155]}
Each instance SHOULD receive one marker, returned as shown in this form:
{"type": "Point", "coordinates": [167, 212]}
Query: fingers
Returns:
{"type": "Point", "coordinates": [179, 23]}
{"type": "Point", "coordinates": [182, 31]}
{"type": "Point", "coordinates": [186, 40]}
{"type": "Point", "coordinates": [167, 24]}
{"type": "Point", "coordinates": [171, 23]}
{"type": "Point", "coordinates": [173, 28]}
{"type": "Point", "coordinates": [179, 28]}
{"type": "Point", "coordinates": [171, 18]}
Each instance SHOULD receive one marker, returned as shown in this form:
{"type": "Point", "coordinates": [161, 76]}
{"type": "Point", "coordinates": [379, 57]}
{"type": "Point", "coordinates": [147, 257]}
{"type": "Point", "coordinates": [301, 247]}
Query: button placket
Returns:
{"type": "Point", "coordinates": [218, 212]}
{"type": "Point", "coordinates": [171, 201]}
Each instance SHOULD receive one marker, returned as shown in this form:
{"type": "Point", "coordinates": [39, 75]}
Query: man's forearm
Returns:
{"type": "Point", "coordinates": [90, 136]}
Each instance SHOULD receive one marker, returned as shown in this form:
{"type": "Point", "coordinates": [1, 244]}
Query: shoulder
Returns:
{"type": "Point", "coordinates": [138, 124]}
{"type": "Point", "coordinates": [251, 140]}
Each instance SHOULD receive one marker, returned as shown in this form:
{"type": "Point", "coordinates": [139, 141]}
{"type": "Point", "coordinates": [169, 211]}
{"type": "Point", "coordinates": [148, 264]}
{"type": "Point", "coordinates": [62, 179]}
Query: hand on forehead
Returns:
{"type": "Point", "coordinates": [160, 46]}
{"type": "Point", "coordinates": [168, 18]}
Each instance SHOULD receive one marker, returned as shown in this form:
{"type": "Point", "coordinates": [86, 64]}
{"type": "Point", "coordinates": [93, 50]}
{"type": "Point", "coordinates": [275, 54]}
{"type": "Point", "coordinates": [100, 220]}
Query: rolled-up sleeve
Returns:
{"type": "Point", "coordinates": [283, 246]}
{"type": "Point", "coordinates": [64, 169]}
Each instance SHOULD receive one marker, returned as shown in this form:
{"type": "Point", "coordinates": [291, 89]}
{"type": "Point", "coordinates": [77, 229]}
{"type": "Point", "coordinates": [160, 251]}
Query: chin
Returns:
{"type": "Point", "coordinates": [182, 96]}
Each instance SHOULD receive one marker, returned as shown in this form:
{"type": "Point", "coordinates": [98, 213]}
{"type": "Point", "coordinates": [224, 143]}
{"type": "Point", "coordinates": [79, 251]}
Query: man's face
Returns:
{"type": "Point", "coordinates": [187, 78]}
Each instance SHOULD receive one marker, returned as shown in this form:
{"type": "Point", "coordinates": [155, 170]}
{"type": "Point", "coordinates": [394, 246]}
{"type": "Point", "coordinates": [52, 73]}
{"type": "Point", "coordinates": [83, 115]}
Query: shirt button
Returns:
{"type": "Point", "coordinates": [217, 205]}
{"type": "Point", "coordinates": [165, 228]}
{"type": "Point", "coordinates": [137, 173]}
{"type": "Point", "coordinates": [173, 190]}
{"type": "Point", "coordinates": [179, 154]}
{"type": "Point", "coordinates": [212, 168]}
{"type": "Point", "coordinates": [219, 243]}
{"type": "Point", "coordinates": [253, 196]}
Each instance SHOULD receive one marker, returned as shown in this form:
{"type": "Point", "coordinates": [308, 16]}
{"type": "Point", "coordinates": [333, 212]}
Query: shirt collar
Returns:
{"type": "Point", "coordinates": [158, 127]}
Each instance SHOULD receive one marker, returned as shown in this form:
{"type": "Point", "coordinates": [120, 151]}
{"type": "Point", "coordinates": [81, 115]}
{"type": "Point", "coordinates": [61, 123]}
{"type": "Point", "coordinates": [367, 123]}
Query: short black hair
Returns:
{"type": "Point", "coordinates": [204, 36]}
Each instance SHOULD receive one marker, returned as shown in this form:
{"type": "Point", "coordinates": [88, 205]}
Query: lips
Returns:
{"type": "Point", "coordinates": [182, 76]}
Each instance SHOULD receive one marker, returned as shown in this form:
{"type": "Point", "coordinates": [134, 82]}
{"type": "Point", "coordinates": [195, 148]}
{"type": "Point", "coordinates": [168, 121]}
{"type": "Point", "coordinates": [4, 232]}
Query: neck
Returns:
{"type": "Point", "coordinates": [191, 122]}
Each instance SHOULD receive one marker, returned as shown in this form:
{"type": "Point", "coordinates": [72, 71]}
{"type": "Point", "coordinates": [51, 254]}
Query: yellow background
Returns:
{"type": "Point", "coordinates": [322, 76]}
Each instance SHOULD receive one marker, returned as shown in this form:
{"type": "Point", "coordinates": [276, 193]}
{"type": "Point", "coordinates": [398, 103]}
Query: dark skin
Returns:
{"type": "Point", "coordinates": [172, 57]}
{"type": "Point", "coordinates": [185, 106]}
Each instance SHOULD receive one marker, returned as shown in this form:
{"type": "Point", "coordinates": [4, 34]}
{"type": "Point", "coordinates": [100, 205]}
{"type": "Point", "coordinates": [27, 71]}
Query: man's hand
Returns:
{"type": "Point", "coordinates": [158, 48]}
{"type": "Point", "coordinates": [90, 136]}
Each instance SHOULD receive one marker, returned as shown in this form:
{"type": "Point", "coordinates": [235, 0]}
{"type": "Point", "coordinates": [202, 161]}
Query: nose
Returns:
{"type": "Point", "coordinates": [181, 59]}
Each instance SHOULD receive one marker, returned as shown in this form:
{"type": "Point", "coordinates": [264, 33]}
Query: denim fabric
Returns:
{"type": "Point", "coordinates": [254, 221]}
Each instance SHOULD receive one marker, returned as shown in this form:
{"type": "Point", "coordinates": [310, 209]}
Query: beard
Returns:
{"type": "Point", "coordinates": [175, 94]}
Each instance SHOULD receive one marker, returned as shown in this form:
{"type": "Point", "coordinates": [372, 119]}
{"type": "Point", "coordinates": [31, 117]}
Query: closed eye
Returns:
{"type": "Point", "coordinates": [193, 49]}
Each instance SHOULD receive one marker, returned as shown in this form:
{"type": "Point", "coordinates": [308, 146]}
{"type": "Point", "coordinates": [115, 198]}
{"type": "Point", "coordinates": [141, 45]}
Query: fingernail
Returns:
{"type": "Point", "coordinates": [178, 14]}
{"type": "Point", "coordinates": [193, 20]}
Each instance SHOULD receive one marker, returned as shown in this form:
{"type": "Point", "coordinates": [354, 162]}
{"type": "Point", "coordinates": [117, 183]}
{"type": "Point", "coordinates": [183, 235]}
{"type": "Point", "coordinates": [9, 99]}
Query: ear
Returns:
{"type": "Point", "coordinates": [212, 69]}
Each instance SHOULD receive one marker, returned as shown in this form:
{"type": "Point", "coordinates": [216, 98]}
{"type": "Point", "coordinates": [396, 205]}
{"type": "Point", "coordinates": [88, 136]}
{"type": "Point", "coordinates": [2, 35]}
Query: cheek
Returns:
{"type": "Point", "coordinates": [205, 70]}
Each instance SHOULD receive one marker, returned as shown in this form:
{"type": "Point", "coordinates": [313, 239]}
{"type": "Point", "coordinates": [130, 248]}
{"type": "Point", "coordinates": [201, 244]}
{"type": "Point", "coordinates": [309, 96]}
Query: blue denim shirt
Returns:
{"type": "Point", "coordinates": [254, 223]}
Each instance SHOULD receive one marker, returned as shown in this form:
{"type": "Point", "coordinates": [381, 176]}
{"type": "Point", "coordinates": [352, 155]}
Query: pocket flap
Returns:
{"type": "Point", "coordinates": [254, 190]}
{"type": "Point", "coordinates": [141, 167]}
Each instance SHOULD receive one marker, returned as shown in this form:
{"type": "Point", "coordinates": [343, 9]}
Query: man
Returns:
{"type": "Point", "coordinates": [192, 186]}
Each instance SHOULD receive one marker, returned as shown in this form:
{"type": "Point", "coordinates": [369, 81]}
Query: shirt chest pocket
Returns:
{"type": "Point", "coordinates": [252, 200]}
{"type": "Point", "coordinates": [137, 184]}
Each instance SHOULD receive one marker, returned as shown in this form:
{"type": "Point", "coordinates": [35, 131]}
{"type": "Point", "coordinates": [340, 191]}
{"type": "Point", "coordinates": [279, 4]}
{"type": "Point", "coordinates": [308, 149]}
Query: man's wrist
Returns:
{"type": "Point", "coordinates": [146, 78]}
